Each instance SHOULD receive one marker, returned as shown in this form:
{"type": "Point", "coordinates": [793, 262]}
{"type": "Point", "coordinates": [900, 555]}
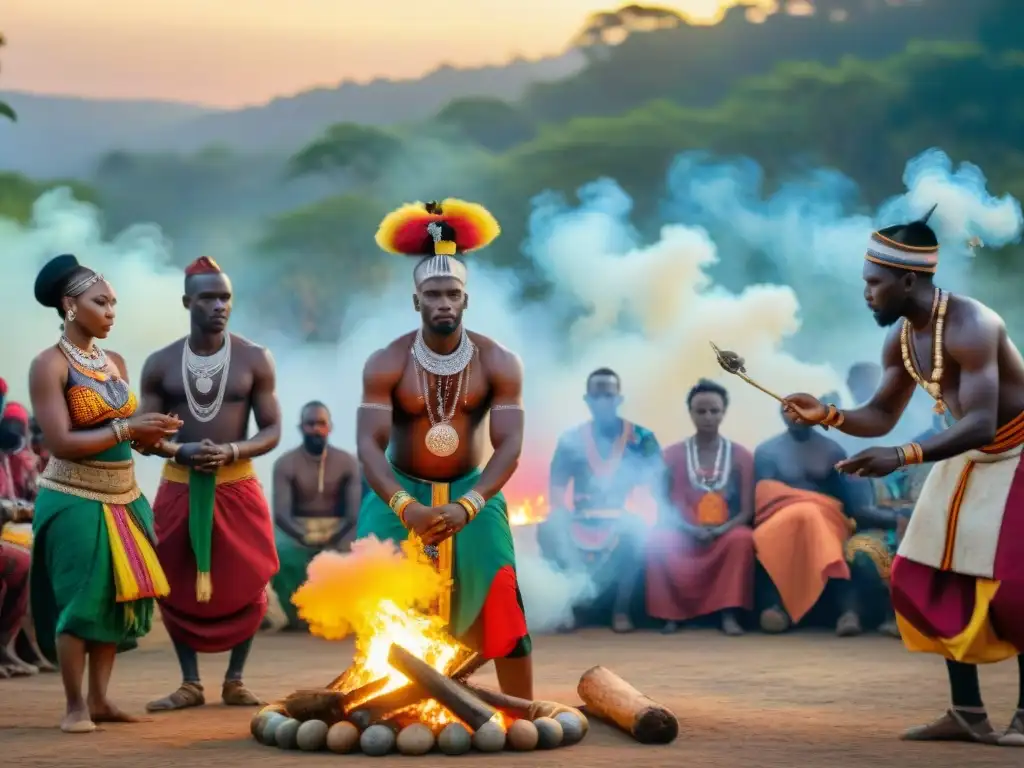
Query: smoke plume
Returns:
{"type": "Point", "coordinates": [774, 277]}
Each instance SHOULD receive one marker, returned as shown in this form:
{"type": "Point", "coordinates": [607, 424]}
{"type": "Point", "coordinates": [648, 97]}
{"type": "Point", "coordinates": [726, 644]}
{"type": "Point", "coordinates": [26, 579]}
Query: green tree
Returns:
{"type": "Point", "coordinates": [489, 122]}
{"type": "Point", "coordinates": [5, 108]}
{"type": "Point", "coordinates": [317, 256]}
{"type": "Point", "coordinates": [18, 194]}
{"type": "Point", "coordinates": [362, 151]}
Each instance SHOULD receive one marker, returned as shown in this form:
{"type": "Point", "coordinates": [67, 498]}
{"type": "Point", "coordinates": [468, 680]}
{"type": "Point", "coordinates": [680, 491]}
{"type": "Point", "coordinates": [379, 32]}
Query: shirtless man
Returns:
{"type": "Point", "coordinates": [316, 495]}
{"type": "Point", "coordinates": [426, 398]}
{"type": "Point", "coordinates": [216, 540]}
{"type": "Point", "coordinates": [958, 579]}
{"type": "Point", "coordinates": [801, 523]}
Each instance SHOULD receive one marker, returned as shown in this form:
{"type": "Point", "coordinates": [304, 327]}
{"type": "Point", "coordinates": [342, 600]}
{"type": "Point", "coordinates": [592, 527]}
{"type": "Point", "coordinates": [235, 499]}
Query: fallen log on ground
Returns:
{"type": "Point", "coordinates": [611, 698]}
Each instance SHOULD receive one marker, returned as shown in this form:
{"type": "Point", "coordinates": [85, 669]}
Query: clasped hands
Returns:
{"type": "Point", "coordinates": [204, 456]}
{"type": "Point", "coordinates": [435, 524]}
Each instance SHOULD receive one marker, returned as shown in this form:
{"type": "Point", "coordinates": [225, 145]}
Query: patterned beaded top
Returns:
{"type": "Point", "coordinates": [96, 397]}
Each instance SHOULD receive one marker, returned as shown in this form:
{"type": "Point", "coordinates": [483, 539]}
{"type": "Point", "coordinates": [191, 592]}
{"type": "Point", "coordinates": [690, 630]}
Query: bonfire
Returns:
{"type": "Point", "coordinates": [408, 674]}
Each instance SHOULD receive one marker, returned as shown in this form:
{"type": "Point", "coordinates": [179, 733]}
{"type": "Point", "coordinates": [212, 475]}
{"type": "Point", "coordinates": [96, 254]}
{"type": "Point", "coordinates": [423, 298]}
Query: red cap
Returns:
{"type": "Point", "coordinates": [204, 265]}
{"type": "Point", "coordinates": [16, 411]}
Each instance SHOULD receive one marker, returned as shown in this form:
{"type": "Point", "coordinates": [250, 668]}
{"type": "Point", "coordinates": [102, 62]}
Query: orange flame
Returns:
{"type": "Point", "coordinates": [379, 594]}
{"type": "Point", "coordinates": [528, 512]}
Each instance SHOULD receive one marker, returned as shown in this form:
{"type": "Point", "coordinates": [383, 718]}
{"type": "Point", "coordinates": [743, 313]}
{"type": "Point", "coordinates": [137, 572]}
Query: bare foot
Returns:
{"type": "Point", "coordinates": [188, 695]}
{"type": "Point", "coordinates": [77, 720]}
{"type": "Point", "coordinates": [14, 664]}
{"type": "Point", "coordinates": [235, 694]}
{"type": "Point", "coordinates": [848, 625]}
{"type": "Point", "coordinates": [774, 621]}
{"type": "Point", "coordinates": [730, 626]}
{"type": "Point", "coordinates": [621, 624]}
{"type": "Point", "coordinates": [105, 712]}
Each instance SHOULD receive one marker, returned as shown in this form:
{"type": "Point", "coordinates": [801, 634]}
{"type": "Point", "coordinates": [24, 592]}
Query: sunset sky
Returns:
{"type": "Point", "coordinates": [234, 52]}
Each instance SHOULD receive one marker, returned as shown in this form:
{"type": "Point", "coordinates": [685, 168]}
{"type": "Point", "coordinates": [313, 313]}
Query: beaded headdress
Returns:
{"type": "Point", "coordinates": [912, 246]}
{"type": "Point", "coordinates": [436, 232]}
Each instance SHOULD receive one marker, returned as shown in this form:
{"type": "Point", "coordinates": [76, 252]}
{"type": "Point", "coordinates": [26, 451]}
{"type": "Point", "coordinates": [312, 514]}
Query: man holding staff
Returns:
{"type": "Point", "coordinates": [958, 578]}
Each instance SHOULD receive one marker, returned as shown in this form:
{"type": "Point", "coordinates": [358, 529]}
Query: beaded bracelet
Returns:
{"type": "Point", "coordinates": [122, 433]}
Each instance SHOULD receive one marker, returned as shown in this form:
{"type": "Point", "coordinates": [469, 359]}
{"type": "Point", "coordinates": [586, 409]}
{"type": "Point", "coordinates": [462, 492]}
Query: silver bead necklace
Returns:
{"type": "Point", "coordinates": [199, 371]}
{"type": "Point", "coordinates": [443, 365]}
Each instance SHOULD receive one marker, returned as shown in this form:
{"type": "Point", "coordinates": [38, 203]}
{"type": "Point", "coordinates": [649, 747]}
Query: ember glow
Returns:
{"type": "Point", "coordinates": [528, 512]}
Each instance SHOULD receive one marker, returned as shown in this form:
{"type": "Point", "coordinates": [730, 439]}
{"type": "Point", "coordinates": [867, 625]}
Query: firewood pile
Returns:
{"type": "Point", "coordinates": [433, 710]}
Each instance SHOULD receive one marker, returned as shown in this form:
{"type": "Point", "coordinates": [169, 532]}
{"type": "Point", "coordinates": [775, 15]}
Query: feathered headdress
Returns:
{"type": "Point", "coordinates": [436, 233]}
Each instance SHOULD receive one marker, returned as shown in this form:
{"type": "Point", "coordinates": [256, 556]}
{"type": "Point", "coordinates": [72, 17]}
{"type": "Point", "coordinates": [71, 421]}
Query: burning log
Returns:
{"type": "Point", "coordinates": [454, 697]}
{"type": "Point", "coordinates": [468, 666]}
{"type": "Point", "coordinates": [364, 693]}
{"type": "Point", "coordinates": [315, 704]}
{"type": "Point", "coordinates": [611, 698]}
{"type": "Point", "coordinates": [523, 708]}
{"type": "Point", "coordinates": [382, 707]}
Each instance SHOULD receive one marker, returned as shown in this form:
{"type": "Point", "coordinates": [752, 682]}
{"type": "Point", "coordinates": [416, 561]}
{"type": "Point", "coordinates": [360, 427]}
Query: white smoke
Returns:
{"type": "Point", "coordinates": [648, 311]}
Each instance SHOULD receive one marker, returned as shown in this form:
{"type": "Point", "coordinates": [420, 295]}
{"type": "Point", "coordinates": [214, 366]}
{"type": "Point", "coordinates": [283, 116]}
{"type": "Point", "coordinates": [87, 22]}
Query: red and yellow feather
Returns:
{"type": "Point", "coordinates": [404, 231]}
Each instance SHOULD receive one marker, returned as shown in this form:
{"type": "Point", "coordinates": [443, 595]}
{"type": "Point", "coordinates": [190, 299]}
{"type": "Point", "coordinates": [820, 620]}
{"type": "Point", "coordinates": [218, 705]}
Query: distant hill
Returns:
{"type": "Point", "coordinates": [64, 135]}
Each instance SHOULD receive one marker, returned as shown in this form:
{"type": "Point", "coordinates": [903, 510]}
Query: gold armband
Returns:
{"type": "Point", "coordinates": [399, 503]}
{"type": "Point", "coordinates": [833, 417]}
{"type": "Point", "coordinates": [911, 453]}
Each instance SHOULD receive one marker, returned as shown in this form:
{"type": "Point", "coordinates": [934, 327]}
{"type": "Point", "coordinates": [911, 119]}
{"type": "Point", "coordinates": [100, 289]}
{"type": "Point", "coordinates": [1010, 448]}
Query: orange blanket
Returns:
{"type": "Point", "coordinates": [799, 537]}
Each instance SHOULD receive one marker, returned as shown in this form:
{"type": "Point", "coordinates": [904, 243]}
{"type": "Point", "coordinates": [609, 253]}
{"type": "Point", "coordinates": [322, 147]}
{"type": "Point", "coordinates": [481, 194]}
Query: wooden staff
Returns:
{"type": "Point", "coordinates": [733, 363]}
{"type": "Point", "coordinates": [613, 699]}
{"type": "Point", "coordinates": [454, 697]}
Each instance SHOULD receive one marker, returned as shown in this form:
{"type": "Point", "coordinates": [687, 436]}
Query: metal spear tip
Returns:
{"type": "Point", "coordinates": [730, 361]}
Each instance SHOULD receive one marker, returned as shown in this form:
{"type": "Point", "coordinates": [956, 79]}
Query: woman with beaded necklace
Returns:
{"type": "Point", "coordinates": [702, 561]}
{"type": "Point", "coordinates": [94, 570]}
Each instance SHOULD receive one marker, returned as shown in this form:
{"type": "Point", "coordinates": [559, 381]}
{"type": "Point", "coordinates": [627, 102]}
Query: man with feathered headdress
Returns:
{"type": "Point", "coordinates": [215, 537]}
{"type": "Point", "coordinates": [420, 441]}
{"type": "Point", "coordinates": [958, 578]}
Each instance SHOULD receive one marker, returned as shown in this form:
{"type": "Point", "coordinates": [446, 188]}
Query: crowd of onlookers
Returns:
{"type": "Point", "coordinates": [22, 459]}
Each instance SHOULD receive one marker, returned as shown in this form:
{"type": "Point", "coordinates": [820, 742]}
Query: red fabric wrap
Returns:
{"type": "Point", "coordinates": [14, 568]}
{"type": "Point", "coordinates": [502, 620]}
{"type": "Point", "coordinates": [243, 560]}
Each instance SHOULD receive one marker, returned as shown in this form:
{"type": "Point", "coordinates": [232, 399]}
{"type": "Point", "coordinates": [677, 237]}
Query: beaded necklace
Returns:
{"type": "Point", "coordinates": [933, 385]}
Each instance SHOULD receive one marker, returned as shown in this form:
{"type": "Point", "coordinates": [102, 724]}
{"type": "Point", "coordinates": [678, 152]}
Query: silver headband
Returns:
{"type": "Point", "coordinates": [80, 287]}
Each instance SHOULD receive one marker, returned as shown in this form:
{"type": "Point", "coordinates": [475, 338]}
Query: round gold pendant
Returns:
{"type": "Point", "coordinates": [442, 440]}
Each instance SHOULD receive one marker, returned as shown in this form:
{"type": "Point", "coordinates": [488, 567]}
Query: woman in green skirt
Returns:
{"type": "Point", "coordinates": [95, 574]}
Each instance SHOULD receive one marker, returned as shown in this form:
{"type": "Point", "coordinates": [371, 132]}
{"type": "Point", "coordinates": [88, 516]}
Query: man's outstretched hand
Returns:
{"type": "Point", "coordinates": [874, 462]}
{"type": "Point", "coordinates": [804, 408]}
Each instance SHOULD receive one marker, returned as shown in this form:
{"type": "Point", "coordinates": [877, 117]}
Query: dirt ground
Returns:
{"type": "Point", "coordinates": [804, 699]}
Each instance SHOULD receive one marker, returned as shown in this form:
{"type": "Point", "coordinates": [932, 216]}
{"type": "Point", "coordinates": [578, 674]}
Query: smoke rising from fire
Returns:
{"type": "Point", "coordinates": [773, 277]}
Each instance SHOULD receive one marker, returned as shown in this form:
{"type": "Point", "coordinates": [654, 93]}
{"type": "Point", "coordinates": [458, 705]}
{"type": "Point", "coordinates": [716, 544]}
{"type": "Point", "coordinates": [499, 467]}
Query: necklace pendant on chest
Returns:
{"type": "Point", "coordinates": [204, 385]}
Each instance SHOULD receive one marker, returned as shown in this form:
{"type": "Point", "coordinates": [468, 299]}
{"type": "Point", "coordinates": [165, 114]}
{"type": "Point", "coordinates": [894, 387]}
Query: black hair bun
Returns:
{"type": "Point", "coordinates": [53, 278]}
